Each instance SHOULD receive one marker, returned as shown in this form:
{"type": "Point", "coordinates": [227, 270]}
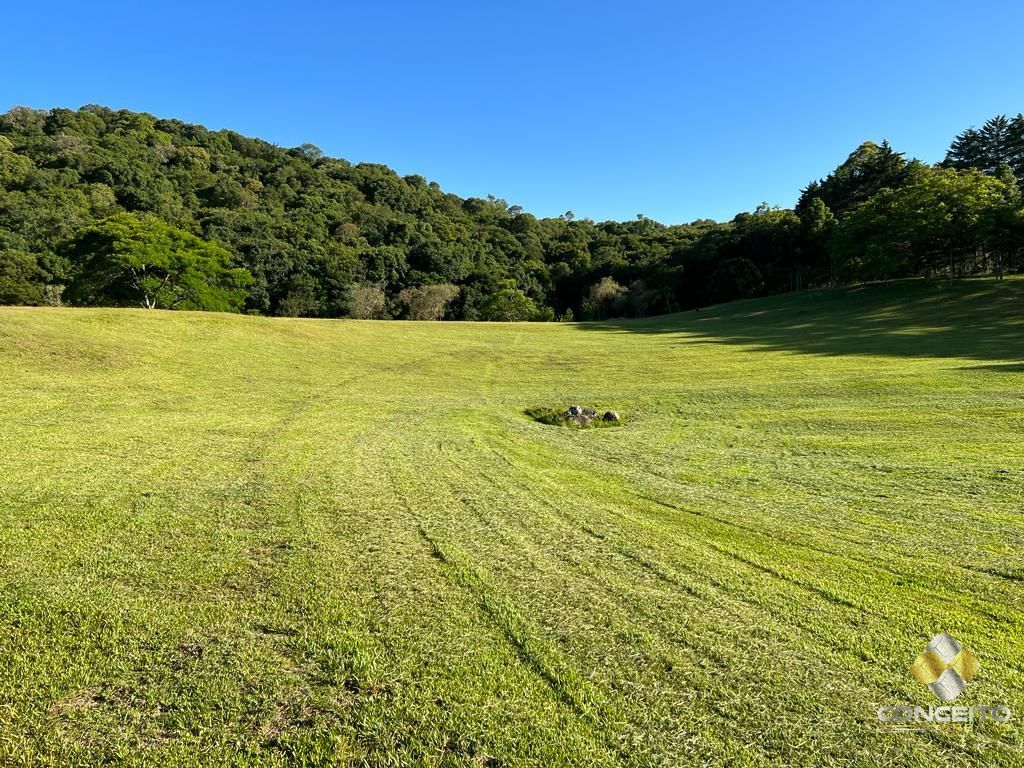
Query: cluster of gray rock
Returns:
{"type": "Point", "coordinates": [583, 416]}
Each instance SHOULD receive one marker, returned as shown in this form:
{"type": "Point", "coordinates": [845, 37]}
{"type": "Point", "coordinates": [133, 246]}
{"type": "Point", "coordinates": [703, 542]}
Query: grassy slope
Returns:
{"type": "Point", "coordinates": [231, 540]}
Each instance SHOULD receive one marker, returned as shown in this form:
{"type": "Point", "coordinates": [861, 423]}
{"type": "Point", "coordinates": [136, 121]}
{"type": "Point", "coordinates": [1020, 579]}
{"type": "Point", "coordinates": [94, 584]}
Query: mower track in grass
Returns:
{"type": "Point", "coordinates": [246, 541]}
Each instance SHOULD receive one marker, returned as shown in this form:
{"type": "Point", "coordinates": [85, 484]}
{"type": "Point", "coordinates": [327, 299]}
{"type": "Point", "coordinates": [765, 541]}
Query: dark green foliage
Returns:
{"type": "Point", "coordinates": [735, 278]}
{"type": "Point", "coordinates": [22, 280]}
{"type": "Point", "coordinates": [818, 225]}
{"type": "Point", "coordinates": [868, 170]}
{"type": "Point", "coordinates": [999, 143]}
{"type": "Point", "coordinates": [322, 237]}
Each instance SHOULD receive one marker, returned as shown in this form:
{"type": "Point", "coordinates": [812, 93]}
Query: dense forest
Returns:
{"type": "Point", "coordinates": [105, 207]}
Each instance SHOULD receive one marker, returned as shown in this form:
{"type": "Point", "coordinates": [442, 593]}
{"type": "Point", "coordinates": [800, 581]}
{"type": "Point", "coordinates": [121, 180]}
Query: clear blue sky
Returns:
{"type": "Point", "coordinates": [676, 110]}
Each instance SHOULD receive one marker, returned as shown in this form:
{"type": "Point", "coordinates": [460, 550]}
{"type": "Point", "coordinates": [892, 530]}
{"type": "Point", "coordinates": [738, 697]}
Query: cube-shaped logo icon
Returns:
{"type": "Point", "coordinates": [945, 667]}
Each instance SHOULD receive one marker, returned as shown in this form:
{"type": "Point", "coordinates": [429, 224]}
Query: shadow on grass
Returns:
{"type": "Point", "coordinates": [978, 318]}
{"type": "Point", "coordinates": [996, 367]}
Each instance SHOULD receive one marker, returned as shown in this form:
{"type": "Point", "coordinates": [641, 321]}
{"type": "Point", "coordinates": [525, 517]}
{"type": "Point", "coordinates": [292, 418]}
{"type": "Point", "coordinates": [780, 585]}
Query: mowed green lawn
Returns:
{"type": "Point", "coordinates": [234, 540]}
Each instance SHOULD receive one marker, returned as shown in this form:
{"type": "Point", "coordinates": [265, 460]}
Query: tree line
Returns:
{"type": "Point", "coordinates": [118, 208]}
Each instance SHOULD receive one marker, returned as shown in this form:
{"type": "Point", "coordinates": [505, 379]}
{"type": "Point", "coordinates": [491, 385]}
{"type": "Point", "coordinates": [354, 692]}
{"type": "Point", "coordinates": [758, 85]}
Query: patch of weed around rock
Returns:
{"type": "Point", "coordinates": [566, 418]}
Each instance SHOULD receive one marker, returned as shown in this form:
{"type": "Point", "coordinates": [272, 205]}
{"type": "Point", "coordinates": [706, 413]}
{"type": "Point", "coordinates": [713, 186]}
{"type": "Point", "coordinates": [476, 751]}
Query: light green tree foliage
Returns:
{"type": "Point", "coordinates": [138, 260]}
{"type": "Point", "coordinates": [940, 220]}
{"type": "Point", "coordinates": [14, 168]}
{"type": "Point", "coordinates": [1002, 225]}
{"type": "Point", "coordinates": [508, 304]}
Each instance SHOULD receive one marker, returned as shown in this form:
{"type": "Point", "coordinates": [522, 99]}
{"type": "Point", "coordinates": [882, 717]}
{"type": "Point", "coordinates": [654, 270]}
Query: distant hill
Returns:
{"type": "Point", "coordinates": [319, 236]}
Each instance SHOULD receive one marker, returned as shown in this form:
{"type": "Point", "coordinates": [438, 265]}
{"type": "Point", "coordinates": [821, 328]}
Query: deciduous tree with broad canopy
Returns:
{"type": "Point", "coordinates": [139, 260]}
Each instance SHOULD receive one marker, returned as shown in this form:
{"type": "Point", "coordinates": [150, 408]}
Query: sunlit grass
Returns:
{"type": "Point", "coordinates": [248, 541]}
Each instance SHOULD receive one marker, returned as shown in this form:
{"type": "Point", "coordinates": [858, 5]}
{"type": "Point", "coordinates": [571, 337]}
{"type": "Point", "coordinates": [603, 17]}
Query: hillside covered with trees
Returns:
{"type": "Point", "coordinates": [105, 207]}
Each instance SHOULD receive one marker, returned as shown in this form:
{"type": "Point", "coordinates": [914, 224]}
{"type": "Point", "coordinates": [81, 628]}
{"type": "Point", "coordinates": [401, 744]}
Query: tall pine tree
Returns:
{"type": "Point", "coordinates": [999, 142]}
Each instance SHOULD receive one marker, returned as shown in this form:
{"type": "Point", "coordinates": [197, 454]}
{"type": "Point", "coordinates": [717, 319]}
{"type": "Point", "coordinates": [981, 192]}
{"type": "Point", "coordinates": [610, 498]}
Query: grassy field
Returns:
{"type": "Point", "coordinates": [234, 540]}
